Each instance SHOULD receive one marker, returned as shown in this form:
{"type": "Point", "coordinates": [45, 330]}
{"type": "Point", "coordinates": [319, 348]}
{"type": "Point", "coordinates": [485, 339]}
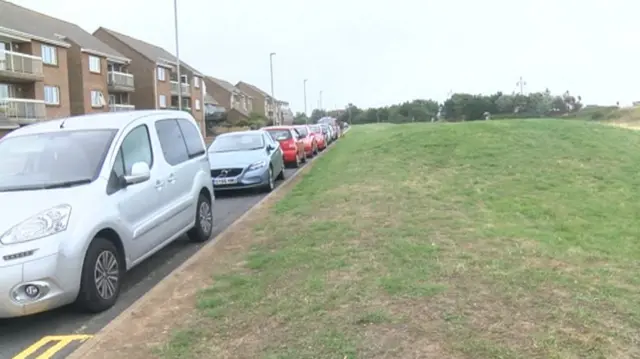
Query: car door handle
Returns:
{"type": "Point", "coordinates": [172, 178]}
{"type": "Point", "coordinates": [159, 185]}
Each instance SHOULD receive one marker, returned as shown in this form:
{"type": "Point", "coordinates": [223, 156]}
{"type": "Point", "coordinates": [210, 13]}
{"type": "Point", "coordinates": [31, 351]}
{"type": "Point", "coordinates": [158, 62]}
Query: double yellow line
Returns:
{"type": "Point", "coordinates": [61, 341]}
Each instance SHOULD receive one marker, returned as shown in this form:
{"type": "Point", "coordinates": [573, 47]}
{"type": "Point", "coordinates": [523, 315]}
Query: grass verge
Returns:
{"type": "Point", "coordinates": [498, 239]}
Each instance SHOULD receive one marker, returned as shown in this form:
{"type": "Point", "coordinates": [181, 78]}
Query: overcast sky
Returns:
{"type": "Point", "coordinates": [380, 52]}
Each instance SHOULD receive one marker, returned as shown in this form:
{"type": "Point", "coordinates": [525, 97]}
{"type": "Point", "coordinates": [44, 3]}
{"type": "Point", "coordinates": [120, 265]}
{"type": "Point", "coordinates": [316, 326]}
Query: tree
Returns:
{"type": "Point", "coordinates": [300, 119]}
{"type": "Point", "coordinates": [256, 121]}
{"type": "Point", "coordinates": [317, 114]}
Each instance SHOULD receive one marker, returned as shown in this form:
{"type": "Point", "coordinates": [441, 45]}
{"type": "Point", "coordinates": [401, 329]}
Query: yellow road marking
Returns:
{"type": "Point", "coordinates": [62, 342]}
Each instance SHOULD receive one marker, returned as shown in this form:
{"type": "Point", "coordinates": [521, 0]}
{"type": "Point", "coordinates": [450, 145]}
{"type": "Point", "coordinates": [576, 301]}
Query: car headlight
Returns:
{"type": "Point", "coordinates": [257, 165]}
{"type": "Point", "coordinates": [46, 223]}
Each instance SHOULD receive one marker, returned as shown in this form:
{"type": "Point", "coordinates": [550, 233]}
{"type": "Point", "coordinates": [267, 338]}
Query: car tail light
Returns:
{"type": "Point", "coordinates": [289, 144]}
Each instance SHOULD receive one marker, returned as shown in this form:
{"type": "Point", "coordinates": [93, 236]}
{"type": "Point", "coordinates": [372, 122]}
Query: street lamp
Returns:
{"type": "Point", "coordinates": [273, 96]}
{"type": "Point", "coordinates": [304, 86]}
{"type": "Point", "coordinates": [320, 101]}
{"type": "Point", "coordinates": [175, 24]}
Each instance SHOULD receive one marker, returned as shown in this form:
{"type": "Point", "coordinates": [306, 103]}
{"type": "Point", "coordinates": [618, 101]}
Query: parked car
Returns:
{"type": "Point", "coordinates": [310, 142]}
{"type": "Point", "coordinates": [330, 121]}
{"type": "Point", "coordinates": [97, 195]}
{"type": "Point", "coordinates": [247, 159]}
{"type": "Point", "coordinates": [291, 144]}
{"type": "Point", "coordinates": [316, 131]}
{"type": "Point", "coordinates": [326, 132]}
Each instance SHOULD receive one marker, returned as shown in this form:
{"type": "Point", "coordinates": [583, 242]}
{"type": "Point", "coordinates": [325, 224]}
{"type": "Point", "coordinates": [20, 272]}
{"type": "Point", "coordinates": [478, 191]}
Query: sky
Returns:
{"type": "Point", "coordinates": [382, 52]}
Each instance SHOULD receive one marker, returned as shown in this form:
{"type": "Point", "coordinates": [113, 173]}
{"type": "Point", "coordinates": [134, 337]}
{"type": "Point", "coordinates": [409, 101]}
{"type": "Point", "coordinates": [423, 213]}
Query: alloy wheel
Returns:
{"type": "Point", "coordinates": [106, 274]}
{"type": "Point", "coordinates": [206, 218]}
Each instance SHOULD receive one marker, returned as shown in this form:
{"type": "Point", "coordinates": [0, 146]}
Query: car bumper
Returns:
{"type": "Point", "coordinates": [248, 179]}
{"type": "Point", "coordinates": [49, 274]}
{"type": "Point", "coordinates": [290, 156]}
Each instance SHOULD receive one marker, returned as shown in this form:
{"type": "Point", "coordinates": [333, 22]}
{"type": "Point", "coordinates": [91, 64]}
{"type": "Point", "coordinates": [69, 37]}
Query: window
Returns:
{"type": "Point", "coordinates": [136, 147]}
{"type": "Point", "coordinates": [162, 101]}
{"type": "Point", "coordinates": [161, 74]}
{"type": "Point", "coordinates": [197, 105]}
{"type": "Point", "coordinates": [97, 99]}
{"type": "Point", "coordinates": [94, 64]}
{"type": "Point", "coordinates": [183, 79]}
{"type": "Point", "coordinates": [192, 138]}
{"type": "Point", "coordinates": [49, 55]}
{"type": "Point", "coordinates": [196, 82]}
{"type": "Point", "coordinates": [172, 142]}
{"type": "Point", "coordinates": [50, 159]}
{"type": "Point", "coordinates": [51, 95]}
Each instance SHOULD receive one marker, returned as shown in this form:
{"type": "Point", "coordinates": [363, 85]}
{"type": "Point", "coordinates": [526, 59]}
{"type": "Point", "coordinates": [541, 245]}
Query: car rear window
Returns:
{"type": "Point", "coordinates": [315, 128]}
{"type": "Point", "coordinates": [280, 135]}
{"type": "Point", "coordinates": [303, 131]}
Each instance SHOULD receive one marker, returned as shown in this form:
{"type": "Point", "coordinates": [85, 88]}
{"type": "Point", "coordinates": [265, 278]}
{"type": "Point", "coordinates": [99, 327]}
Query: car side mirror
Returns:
{"type": "Point", "coordinates": [140, 172]}
{"type": "Point", "coordinates": [270, 148]}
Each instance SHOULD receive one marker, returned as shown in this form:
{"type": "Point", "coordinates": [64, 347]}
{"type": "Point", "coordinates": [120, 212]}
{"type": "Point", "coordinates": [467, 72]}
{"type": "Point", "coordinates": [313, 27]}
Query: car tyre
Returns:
{"type": "Point", "coordinates": [281, 175]}
{"type": "Point", "coordinates": [101, 276]}
{"type": "Point", "coordinates": [203, 228]}
{"type": "Point", "coordinates": [304, 157]}
{"type": "Point", "coordinates": [315, 149]}
{"type": "Point", "coordinates": [271, 184]}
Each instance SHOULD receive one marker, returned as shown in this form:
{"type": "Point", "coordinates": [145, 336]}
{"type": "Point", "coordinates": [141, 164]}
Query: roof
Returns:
{"type": "Point", "coordinates": [226, 85]}
{"type": "Point", "coordinates": [246, 132]}
{"type": "Point", "coordinates": [254, 88]}
{"type": "Point", "coordinates": [150, 51]}
{"type": "Point", "coordinates": [29, 22]}
{"type": "Point", "coordinates": [209, 99]}
{"type": "Point", "coordinates": [106, 120]}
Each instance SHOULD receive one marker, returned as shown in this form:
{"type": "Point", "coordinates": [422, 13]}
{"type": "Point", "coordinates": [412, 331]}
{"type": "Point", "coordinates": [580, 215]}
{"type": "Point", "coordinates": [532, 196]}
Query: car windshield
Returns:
{"type": "Point", "coordinates": [302, 131]}
{"type": "Point", "coordinates": [280, 134]}
{"type": "Point", "coordinates": [315, 128]}
{"type": "Point", "coordinates": [237, 142]}
{"type": "Point", "coordinates": [52, 159]}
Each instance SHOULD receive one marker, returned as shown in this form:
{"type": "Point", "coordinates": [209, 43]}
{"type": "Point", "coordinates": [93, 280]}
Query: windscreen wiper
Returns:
{"type": "Point", "coordinates": [66, 184]}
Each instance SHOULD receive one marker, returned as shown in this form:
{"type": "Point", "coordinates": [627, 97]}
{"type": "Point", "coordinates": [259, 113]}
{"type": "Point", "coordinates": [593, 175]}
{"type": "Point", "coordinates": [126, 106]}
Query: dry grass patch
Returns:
{"type": "Point", "coordinates": [501, 239]}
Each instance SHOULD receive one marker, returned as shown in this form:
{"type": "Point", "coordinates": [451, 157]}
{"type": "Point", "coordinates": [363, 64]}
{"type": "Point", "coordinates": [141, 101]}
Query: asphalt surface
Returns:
{"type": "Point", "coordinates": [20, 334]}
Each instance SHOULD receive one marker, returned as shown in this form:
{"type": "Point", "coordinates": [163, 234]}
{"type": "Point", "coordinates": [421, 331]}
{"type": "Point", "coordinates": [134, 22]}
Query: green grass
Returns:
{"type": "Point", "coordinates": [497, 239]}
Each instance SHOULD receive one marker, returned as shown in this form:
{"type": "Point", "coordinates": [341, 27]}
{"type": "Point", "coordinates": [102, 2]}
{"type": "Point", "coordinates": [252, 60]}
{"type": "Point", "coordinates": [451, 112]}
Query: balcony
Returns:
{"type": "Point", "coordinates": [22, 111]}
{"type": "Point", "coordinates": [114, 107]}
{"type": "Point", "coordinates": [120, 81]}
{"type": "Point", "coordinates": [20, 67]}
{"type": "Point", "coordinates": [175, 88]}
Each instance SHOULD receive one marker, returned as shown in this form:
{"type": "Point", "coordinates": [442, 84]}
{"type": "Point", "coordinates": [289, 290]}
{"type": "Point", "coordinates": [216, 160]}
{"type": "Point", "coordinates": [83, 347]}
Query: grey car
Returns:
{"type": "Point", "coordinates": [247, 159]}
{"type": "Point", "coordinates": [85, 199]}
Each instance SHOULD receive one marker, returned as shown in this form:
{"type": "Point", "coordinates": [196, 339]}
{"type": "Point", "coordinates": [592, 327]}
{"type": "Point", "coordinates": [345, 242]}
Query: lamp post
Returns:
{"type": "Point", "coordinates": [320, 101]}
{"type": "Point", "coordinates": [273, 96]}
{"type": "Point", "coordinates": [304, 86]}
{"type": "Point", "coordinates": [175, 24]}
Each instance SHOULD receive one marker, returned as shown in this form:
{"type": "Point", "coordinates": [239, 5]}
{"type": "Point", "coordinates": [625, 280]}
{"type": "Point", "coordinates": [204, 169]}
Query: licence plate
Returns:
{"type": "Point", "coordinates": [223, 181]}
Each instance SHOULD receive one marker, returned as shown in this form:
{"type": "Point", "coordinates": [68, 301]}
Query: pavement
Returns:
{"type": "Point", "coordinates": [55, 334]}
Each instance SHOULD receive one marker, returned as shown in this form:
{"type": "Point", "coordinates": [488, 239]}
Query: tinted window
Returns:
{"type": "Point", "coordinates": [237, 142]}
{"type": "Point", "coordinates": [51, 159]}
{"type": "Point", "coordinates": [136, 147]}
{"type": "Point", "coordinates": [280, 135]}
{"type": "Point", "coordinates": [302, 131]}
{"type": "Point", "coordinates": [172, 142]}
{"type": "Point", "coordinates": [192, 138]}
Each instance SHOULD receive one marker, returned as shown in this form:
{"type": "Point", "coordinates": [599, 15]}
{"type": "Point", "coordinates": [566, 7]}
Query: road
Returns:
{"type": "Point", "coordinates": [17, 335]}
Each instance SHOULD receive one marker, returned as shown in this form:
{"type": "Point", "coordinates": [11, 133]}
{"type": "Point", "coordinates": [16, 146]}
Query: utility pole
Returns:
{"type": "Point", "coordinates": [304, 86]}
{"type": "Point", "coordinates": [320, 101]}
{"type": "Point", "coordinates": [273, 96]}
{"type": "Point", "coordinates": [175, 24]}
{"type": "Point", "coordinates": [521, 83]}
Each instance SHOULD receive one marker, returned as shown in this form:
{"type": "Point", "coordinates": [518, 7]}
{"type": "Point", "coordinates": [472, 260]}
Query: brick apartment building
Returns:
{"type": "Point", "coordinates": [238, 104]}
{"type": "Point", "coordinates": [156, 80]}
{"type": "Point", "coordinates": [50, 68]}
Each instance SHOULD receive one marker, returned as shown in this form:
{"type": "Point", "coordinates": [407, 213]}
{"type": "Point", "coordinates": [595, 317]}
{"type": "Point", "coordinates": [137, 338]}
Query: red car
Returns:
{"type": "Point", "coordinates": [317, 132]}
{"type": "Point", "coordinates": [291, 144]}
{"type": "Point", "coordinates": [309, 139]}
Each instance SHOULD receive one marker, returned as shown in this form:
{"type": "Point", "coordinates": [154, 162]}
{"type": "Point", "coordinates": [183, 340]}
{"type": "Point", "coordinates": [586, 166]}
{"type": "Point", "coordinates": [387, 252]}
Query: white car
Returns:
{"type": "Point", "coordinates": [84, 199]}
